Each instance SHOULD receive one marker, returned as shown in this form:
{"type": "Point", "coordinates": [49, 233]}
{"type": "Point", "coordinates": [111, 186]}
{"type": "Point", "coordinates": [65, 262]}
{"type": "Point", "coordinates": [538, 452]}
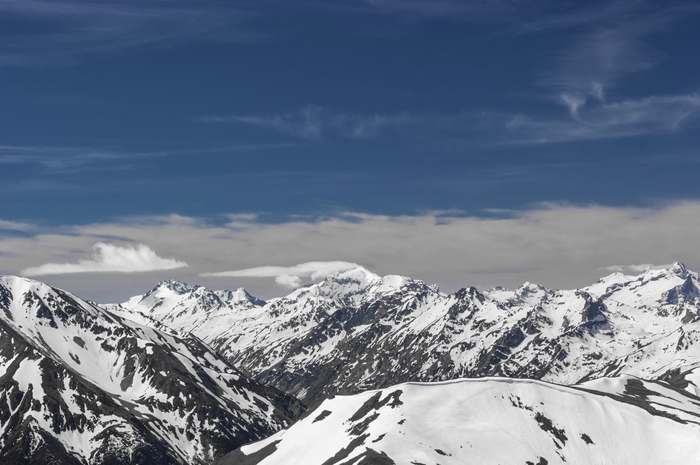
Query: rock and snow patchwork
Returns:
{"type": "Point", "coordinates": [492, 420]}
{"type": "Point", "coordinates": [79, 384]}
{"type": "Point", "coordinates": [356, 331]}
{"type": "Point", "coordinates": [179, 307]}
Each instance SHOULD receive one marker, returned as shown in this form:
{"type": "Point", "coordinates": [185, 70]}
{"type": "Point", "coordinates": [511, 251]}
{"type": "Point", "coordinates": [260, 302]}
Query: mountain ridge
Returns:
{"type": "Point", "coordinates": [386, 330]}
{"type": "Point", "coordinates": [156, 379]}
{"type": "Point", "coordinates": [80, 385]}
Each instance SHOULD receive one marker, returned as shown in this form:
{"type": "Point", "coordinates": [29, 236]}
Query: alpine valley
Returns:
{"type": "Point", "coordinates": [356, 369]}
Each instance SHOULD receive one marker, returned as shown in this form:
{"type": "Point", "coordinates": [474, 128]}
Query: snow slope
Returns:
{"type": "Point", "coordinates": [491, 421]}
{"type": "Point", "coordinates": [79, 384]}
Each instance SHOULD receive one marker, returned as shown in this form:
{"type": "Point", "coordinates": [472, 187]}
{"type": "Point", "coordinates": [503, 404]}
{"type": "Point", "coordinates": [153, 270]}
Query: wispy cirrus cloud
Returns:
{"type": "Point", "coordinates": [610, 42]}
{"type": "Point", "coordinates": [108, 258]}
{"type": "Point", "coordinates": [315, 123]}
{"type": "Point", "coordinates": [476, 10]}
{"type": "Point", "coordinates": [60, 31]}
{"type": "Point", "coordinates": [57, 159]}
{"type": "Point", "coordinates": [64, 159]}
{"type": "Point", "coordinates": [589, 119]}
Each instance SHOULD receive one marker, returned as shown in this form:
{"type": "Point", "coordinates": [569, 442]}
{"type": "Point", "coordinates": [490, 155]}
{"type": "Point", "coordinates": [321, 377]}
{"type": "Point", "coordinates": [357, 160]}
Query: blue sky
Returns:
{"type": "Point", "coordinates": [121, 115]}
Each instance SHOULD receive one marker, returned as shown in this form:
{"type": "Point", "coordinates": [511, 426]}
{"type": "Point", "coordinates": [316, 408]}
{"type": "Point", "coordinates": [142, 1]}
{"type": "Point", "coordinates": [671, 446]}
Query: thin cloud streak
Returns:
{"type": "Point", "coordinates": [314, 124]}
{"type": "Point", "coordinates": [601, 120]}
{"type": "Point", "coordinates": [62, 160]}
{"type": "Point", "coordinates": [611, 45]}
{"type": "Point", "coordinates": [84, 27]}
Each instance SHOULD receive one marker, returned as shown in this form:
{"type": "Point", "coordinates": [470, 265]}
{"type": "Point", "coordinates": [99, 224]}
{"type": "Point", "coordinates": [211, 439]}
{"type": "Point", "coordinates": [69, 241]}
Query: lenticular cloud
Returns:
{"type": "Point", "coordinates": [290, 276]}
{"type": "Point", "coordinates": [110, 258]}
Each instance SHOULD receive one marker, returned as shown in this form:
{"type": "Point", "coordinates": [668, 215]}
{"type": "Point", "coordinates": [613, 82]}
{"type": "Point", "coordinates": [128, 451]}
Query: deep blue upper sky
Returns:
{"type": "Point", "coordinates": [117, 109]}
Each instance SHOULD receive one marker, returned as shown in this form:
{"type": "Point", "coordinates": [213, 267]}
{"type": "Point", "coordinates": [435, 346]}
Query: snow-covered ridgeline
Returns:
{"type": "Point", "coordinates": [624, 421]}
{"type": "Point", "coordinates": [383, 331]}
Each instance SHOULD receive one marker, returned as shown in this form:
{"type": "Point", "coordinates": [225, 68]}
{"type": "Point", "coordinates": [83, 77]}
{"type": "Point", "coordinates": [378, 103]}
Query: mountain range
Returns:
{"type": "Point", "coordinates": [357, 331]}
{"type": "Point", "coordinates": [184, 374]}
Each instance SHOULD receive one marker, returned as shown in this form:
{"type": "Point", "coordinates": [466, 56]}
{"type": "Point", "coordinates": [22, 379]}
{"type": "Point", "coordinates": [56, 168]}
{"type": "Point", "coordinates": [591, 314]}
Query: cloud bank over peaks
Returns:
{"type": "Point", "coordinates": [110, 258]}
{"type": "Point", "coordinates": [290, 276]}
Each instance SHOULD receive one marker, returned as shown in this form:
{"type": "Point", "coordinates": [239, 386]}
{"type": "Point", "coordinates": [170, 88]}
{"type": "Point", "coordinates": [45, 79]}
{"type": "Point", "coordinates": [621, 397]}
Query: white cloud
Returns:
{"type": "Point", "coordinates": [559, 246]}
{"type": "Point", "coordinates": [15, 226]}
{"type": "Point", "coordinates": [110, 258]}
{"type": "Point", "coordinates": [288, 281]}
{"type": "Point", "coordinates": [290, 276]}
{"type": "Point", "coordinates": [615, 268]}
{"type": "Point", "coordinates": [638, 268]}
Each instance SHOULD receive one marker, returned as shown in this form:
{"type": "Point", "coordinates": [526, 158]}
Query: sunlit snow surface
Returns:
{"type": "Point", "coordinates": [490, 421]}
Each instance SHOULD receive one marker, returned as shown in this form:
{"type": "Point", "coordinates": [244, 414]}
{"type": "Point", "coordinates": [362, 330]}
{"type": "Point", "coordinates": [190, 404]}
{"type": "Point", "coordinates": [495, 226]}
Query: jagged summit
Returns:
{"type": "Point", "coordinates": [676, 267]}
{"type": "Point", "coordinates": [166, 293]}
{"type": "Point", "coordinates": [531, 292]}
{"type": "Point", "coordinates": [175, 286]}
{"type": "Point", "coordinates": [239, 295]}
{"type": "Point", "coordinates": [680, 266]}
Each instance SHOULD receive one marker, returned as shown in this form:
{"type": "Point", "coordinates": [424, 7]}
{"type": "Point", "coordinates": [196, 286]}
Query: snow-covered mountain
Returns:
{"type": "Point", "coordinates": [620, 421]}
{"type": "Point", "coordinates": [356, 331]}
{"type": "Point", "coordinates": [173, 305]}
{"type": "Point", "coordinates": [138, 383]}
{"type": "Point", "coordinates": [79, 384]}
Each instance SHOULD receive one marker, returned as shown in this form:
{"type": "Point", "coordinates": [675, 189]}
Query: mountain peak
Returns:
{"type": "Point", "coordinates": [679, 266]}
{"type": "Point", "coordinates": [175, 286]}
{"type": "Point", "coordinates": [239, 295]}
{"type": "Point", "coordinates": [342, 284]}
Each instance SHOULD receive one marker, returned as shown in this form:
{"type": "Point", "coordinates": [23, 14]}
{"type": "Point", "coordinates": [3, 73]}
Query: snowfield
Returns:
{"type": "Point", "coordinates": [485, 421]}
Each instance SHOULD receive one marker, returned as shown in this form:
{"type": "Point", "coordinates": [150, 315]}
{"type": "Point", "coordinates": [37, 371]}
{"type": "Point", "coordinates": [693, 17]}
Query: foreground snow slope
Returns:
{"type": "Point", "coordinates": [356, 331]}
{"type": "Point", "coordinates": [81, 385]}
{"type": "Point", "coordinates": [622, 421]}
